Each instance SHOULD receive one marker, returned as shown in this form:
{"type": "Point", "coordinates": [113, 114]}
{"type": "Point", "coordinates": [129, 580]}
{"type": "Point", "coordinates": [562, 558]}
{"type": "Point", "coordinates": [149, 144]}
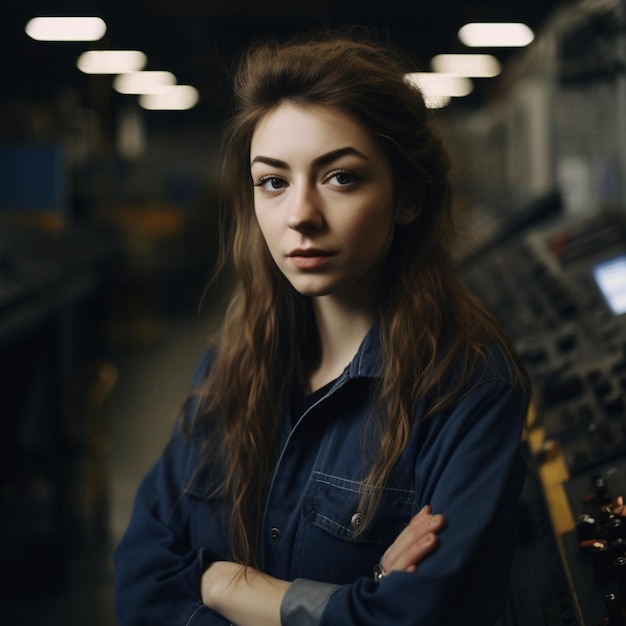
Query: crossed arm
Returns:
{"type": "Point", "coordinates": [248, 597]}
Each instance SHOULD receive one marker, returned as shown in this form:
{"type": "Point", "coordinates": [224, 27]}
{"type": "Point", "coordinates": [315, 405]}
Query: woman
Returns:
{"type": "Point", "coordinates": [359, 409]}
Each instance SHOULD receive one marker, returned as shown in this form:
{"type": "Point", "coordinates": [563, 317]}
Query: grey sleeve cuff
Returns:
{"type": "Point", "coordinates": [305, 602]}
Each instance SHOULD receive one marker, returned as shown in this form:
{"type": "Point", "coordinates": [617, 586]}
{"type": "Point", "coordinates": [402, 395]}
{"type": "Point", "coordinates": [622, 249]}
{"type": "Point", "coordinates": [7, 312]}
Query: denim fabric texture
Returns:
{"type": "Point", "coordinates": [465, 462]}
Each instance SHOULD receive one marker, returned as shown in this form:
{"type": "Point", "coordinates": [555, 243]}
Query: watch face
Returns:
{"type": "Point", "coordinates": [379, 572]}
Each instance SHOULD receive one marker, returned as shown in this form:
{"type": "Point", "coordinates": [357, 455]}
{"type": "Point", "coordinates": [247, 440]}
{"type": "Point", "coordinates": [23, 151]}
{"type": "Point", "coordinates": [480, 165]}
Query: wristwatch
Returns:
{"type": "Point", "coordinates": [379, 572]}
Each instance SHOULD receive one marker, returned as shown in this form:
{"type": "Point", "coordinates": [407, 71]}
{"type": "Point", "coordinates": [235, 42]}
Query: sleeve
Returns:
{"type": "Point", "coordinates": [304, 602]}
{"type": "Point", "coordinates": [474, 475]}
{"type": "Point", "coordinates": [157, 571]}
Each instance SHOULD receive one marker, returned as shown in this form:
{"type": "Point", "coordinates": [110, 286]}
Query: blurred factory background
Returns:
{"type": "Point", "coordinates": [108, 237]}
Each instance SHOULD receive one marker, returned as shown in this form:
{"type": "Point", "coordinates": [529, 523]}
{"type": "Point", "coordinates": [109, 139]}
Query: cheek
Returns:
{"type": "Point", "coordinates": [268, 229]}
{"type": "Point", "coordinates": [377, 235]}
{"type": "Point", "coordinates": [262, 221]}
{"type": "Point", "coordinates": [374, 225]}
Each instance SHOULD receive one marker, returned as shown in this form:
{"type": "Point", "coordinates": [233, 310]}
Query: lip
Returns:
{"type": "Point", "coordinates": [310, 258]}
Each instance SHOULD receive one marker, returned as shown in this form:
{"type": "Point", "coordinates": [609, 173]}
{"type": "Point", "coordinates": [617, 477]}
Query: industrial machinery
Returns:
{"type": "Point", "coordinates": [560, 291]}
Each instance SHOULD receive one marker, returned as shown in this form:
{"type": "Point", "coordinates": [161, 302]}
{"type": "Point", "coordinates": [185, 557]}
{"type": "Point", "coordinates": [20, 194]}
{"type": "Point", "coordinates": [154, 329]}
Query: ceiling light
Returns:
{"type": "Point", "coordinates": [66, 28]}
{"type": "Point", "coordinates": [471, 65]}
{"type": "Point", "coordinates": [144, 82]}
{"type": "Point", "coordinates": [111, 61]}
{"type": "Point", "coordinates": [437, 102]}
{"type": "Point", "coordinates": [436, 87]}
{"type": "Point", "coordinates": [501, 35]}
{"type": "Point", "coordinates": [179, 98]}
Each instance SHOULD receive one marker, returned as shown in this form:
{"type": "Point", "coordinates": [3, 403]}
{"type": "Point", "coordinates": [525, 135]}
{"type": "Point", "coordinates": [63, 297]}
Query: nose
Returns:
{"type": "Point", "coordinates": [305, 209]}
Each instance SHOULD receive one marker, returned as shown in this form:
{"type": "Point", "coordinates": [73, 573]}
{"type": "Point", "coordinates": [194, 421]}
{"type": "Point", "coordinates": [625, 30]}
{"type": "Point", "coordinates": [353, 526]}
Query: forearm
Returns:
{"type": "Point", "coordinates": [244, 596]}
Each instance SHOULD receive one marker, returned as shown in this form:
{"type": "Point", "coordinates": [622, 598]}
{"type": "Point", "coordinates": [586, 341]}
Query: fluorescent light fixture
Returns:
{"type": "Point", "coordinates": [437, 102]}
{"type": "Point", "coordinates": [176, 98]}
{"type": "Point", "coordinates": [470, 65]}
{"type": "Point", "coordinates": [150, 82]}
{"type": "Point", "coordinates": [111, 61]}
{"type": "Point", "coordinates": [439, 88]}
{"type": "Point", "coordinates": [499, 35]}
{"type": "Point", "coordinates": [66, 28]}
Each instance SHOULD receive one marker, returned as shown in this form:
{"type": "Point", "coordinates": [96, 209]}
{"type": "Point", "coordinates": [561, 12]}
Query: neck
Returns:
{"type": "Point", "coordinates": [341, 330]}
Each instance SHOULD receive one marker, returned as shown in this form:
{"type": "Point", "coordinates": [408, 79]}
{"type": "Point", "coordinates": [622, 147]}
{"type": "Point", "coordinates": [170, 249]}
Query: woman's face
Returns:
{"type": "Point", "coordinates": [324, 200]}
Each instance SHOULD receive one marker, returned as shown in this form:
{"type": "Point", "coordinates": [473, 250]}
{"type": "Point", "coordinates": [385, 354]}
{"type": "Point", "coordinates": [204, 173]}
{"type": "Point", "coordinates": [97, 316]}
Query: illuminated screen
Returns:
{"type": "Point", "coordinates": [611, 279]}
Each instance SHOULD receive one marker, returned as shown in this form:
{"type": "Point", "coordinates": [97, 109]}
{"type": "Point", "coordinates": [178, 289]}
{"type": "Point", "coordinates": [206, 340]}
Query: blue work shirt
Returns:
{"type": "Point", "coordinates": [464, 461]}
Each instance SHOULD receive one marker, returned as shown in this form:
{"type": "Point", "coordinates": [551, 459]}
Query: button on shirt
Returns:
{"type": "Point", "coordinates": [464, 462]}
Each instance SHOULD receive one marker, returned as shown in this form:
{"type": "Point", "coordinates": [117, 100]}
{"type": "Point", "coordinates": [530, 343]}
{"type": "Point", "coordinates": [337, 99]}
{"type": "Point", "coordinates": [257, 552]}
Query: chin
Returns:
{"type": "Point", "coordinates": [312, 291]}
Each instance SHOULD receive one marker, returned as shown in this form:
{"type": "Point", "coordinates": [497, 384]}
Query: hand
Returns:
{"type": "Point", "coordinates": [414, 543]}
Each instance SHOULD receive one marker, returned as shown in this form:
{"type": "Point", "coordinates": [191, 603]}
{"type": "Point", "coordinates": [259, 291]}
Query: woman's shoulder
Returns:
{"type": "Point", "coordinates": [483, 388]}
{"type": "Point", "coordinates": [497, 363]}
{"type": "Point", "coordinates": [490, 362]}
{"type": "Point", "coordinates": [197, 394]}
{"type": "Point", "coordinates": [203, 367]}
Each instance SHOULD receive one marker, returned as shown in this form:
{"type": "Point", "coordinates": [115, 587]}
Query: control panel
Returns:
{"type": "Point", "coordinates": [560, 291]}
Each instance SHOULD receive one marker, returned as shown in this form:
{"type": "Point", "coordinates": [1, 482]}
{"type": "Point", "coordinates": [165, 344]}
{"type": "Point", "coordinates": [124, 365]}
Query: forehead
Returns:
{"type": "Point", "coordinates": [309, 129]}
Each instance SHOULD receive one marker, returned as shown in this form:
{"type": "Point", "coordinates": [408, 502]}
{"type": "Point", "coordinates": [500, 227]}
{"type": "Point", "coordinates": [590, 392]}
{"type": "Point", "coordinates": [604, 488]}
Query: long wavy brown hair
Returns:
{"type": "Point", "coordinates": [427, 322]}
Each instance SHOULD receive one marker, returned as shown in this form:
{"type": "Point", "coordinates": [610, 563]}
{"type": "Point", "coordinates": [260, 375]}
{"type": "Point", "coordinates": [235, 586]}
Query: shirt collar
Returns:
{"type": "Point", "coordinates": [367, 361]}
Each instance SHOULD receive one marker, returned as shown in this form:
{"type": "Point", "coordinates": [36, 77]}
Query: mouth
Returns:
{"type": "Point", "coordinates": [310, 258]}
{"type": "Point", "coordinates": [309, 252]}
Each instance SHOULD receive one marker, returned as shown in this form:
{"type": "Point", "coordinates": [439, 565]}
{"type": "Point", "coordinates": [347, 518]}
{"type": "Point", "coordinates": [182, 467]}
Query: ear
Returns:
{"type": "Point", "coordinates": [407, 212]}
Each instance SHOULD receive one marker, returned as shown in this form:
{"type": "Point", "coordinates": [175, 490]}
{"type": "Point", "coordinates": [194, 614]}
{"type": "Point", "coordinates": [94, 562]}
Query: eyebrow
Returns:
{"type": "Point", "coordinates": [323, 159]}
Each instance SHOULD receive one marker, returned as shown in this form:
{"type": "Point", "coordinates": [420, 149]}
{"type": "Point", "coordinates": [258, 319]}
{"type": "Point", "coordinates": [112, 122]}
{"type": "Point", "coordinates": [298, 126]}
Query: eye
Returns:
{"type": "Point", "coordinates": [342, 178]}
{"type": "Point", "coordinates": [270, 183]}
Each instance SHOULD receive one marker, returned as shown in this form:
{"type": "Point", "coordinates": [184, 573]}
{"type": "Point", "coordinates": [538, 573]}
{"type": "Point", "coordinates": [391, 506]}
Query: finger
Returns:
{"type": "Point", "coordinates": [417, 528]}
{"type": "Point", "coordinates": [413, 553]}
{"type": "Point", "coordinates": [413, 543]}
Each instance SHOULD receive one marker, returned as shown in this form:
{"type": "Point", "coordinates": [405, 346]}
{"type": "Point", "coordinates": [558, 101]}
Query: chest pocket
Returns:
{"type": "Point", "coordinates": [331, 516]}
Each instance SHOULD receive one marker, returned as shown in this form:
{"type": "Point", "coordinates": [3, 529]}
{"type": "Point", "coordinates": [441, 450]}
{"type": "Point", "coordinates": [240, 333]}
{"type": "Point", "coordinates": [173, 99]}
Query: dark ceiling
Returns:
{"type": "Point", "coordinates": [197, 39]}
